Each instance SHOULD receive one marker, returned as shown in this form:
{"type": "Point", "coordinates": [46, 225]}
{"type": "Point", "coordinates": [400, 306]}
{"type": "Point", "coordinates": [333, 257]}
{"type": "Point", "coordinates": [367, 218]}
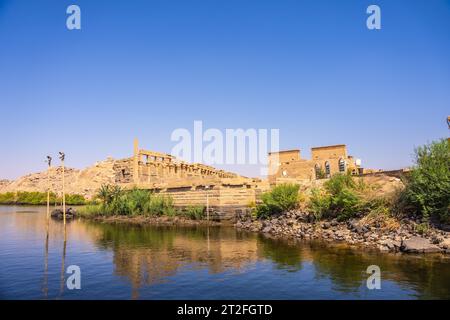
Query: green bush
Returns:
{"type": "Point", "coordinates": [161, 205]}
{"type": "Point", "coordinates": [339, 199]}
{"type": "Point", "coordinates": [428, 185]}
{"type": "Point", "coordinates": [281, 198]}
{"type": "Point", "coordinates": [319, 203]}
{"type": "Point", "coordinates": [195, 212]}
{"type": "Point", "coordinates": [137, 201]}
{"type": "Point", "coordinates": [74, 199]}
{"type": "Point", "coordinates": [422, 228]}
{"type": "Point", "coordinates": [8, 198]}
{"type": "Point", "coordinates": [116, 201]}
{"type": "Point", "coordinates": [108, 193]}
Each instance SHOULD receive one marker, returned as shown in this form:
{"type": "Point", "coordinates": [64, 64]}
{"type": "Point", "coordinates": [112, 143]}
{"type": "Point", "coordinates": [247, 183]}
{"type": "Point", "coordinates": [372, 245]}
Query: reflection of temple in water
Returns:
{"type": "Point", "coordinates": [216, 249]}
{"type": "Point", "coordinates": [146, 262]}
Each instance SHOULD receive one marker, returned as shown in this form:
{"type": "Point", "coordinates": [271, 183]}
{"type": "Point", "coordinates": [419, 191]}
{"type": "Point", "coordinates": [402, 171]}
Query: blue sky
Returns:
{"type": "Point", "coordinates": [144, 68]}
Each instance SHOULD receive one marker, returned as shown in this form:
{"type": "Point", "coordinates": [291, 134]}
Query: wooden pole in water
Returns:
{"type": "Point", "coordinates": [49, 162]}
{"type": "Point", "coordinates": [62, 157]}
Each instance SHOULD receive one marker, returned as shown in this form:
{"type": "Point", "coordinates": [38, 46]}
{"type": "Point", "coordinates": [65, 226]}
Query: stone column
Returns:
{"type": "Point", "coordinates": [136, 162]}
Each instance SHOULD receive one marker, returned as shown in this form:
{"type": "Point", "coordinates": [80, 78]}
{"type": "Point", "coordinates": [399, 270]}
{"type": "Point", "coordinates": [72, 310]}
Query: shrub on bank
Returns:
{"type": "Point", "coordinates": [75, 199]}
{"type": "Point", "coordinates": [339, 198]}
{"type": "Point", "coordinates": [281, 198]}
{"type": "Point", "coordinates": [195, 212]}
{"type": "Point", "coordinates": [7, 198]}
{"type": "Point", "coordinates": [116, 201]}
{"type": "Point", "coordinates": [160, 205]}
{"type": "Point", "coordinates": [428, 185]}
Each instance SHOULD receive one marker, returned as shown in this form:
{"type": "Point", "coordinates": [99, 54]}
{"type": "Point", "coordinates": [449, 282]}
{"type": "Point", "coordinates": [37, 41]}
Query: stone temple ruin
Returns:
{"type": "Point", "coordinates": [228, 193]}
{"type": "Point", "coordinates": [288, 166]}
{"type": "Point", "coordinates": [188, 183]}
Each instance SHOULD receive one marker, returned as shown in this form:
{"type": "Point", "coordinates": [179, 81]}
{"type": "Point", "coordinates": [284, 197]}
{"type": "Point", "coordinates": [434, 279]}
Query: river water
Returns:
{"type": "Point", "coordinates": [131, 262]}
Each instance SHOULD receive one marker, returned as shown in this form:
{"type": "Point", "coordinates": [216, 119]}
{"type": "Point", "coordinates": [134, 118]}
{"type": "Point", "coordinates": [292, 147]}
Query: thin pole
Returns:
{"type": "Point", "coordinates": [62, 157]}
{"type": "Point", "coordinates": [49, 162]}
{"type": "Point", "coordinates": [64, 194]}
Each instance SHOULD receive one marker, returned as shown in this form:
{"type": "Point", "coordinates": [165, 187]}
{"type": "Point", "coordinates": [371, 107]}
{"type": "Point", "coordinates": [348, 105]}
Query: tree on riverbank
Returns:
{"type": "Point", "coordinates": [428, 186]}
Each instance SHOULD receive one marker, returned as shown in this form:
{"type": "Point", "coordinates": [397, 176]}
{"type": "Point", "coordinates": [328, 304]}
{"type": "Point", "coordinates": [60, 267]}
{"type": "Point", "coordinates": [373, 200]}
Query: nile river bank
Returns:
{"type": "Point", "coordinates": [404, 236]}
{"type": "Point", "coordinates": [124, 261]}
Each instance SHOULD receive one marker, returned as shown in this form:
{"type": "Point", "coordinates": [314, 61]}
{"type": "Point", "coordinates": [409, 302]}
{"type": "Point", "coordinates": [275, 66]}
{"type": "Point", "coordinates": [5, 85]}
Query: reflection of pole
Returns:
{"type": "Point", "coordinates": [63, 261]}
{"type": "Point", "coordinates": [207, 237]}
{"type": "Point", "coordinates": [62, 156]}
{"type": "Point", "coordinates": [45, 289]}
{"type": "Point", "coordinates": [207, 203]}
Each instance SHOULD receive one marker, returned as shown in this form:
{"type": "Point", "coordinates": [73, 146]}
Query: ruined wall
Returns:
{"type": "Point", "coordinates": [321, 157]}
{"type": "Point", "coordinates": [154, 168]}
{"type": "Point", "coordinates": [285, 156]}
{"type": "Point", "coordinates": [224, 201]}
{"type": "Point", "coordinates": [303, 169]}
{"type": "Point", "coordinates": [329, 152]}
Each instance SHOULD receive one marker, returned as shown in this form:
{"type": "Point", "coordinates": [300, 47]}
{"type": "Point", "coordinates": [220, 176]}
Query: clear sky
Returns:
{"type": "Point", "coordinates": [144, 68]}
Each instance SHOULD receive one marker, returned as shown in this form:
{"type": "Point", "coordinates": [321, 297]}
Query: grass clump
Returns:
{"type": "Point", "coordinates": [339, 198]}
{"type": "Point", "coordinates": [113, 200]}
{"type": "Point", "coordinates": [195, 212]}
{"type": "Point", "coordinates": [281, 198]}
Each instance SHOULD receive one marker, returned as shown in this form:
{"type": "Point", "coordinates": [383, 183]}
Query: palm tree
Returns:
{"type": "Point", "coordinates": [104, 194]}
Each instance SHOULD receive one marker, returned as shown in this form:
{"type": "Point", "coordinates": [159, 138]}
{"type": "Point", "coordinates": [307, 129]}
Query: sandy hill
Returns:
{"type": "Point", "coordinates": [85, 182]}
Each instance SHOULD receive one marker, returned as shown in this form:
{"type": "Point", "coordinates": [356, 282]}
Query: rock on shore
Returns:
{"type": "Point", "coordinates": [58, 214]}
{"type": "Point", "coordinates": [419, 245]}
{"type": "Point", "coordinates": [296, 224]}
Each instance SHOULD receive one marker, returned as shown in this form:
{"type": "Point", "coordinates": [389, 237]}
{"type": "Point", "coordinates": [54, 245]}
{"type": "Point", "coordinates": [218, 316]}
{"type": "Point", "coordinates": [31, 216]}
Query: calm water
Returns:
{"type": "Point", "coordinates": [125, 262]}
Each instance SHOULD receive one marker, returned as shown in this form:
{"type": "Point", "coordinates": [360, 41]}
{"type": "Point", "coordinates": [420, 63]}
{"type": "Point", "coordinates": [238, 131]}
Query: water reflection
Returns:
{"type": "Point", "coordinates": [63, 262]}
{"type": "Point", "coordinates": [148, 255]}
{"type": "Point", "coordinates": [45, 284]}
{"type": "Point", "coordinates": [124, 261]}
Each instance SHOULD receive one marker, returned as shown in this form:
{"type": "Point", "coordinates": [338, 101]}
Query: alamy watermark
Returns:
{"type": "Point", "coordinates": [74, 280]}
{"type": "Point", "coordinates": [374, 280]}
{"type": "Point", "coordinates": [373, 22]}
{"type": "Point", "coordinates": [232, 146]}
{"type": "Point", "coordinates": [73, 21]}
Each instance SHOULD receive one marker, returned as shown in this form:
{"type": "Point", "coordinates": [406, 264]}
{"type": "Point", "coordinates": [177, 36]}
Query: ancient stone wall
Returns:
{"type": "Point", "coordinates": [329, 152]}
{"type": "Point", "coordinates": [329, 160]}
{"type": "Point", "coordinates": [153, 168]}
{"type": "Point", "coordinates": [225, 201]}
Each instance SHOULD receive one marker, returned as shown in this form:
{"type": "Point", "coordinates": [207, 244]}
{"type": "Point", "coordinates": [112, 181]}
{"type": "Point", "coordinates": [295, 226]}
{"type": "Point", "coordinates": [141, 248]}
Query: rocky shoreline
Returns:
{"type": "Point", "coordinates": [405, 238]}
{"type": "Point", "coordinates": [298, 225]}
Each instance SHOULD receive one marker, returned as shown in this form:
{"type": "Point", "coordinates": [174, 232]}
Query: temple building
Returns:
{"type": "Point", "coordinates": [288, 166]}
{"type": "Point", "coordinates": [189, 184]}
